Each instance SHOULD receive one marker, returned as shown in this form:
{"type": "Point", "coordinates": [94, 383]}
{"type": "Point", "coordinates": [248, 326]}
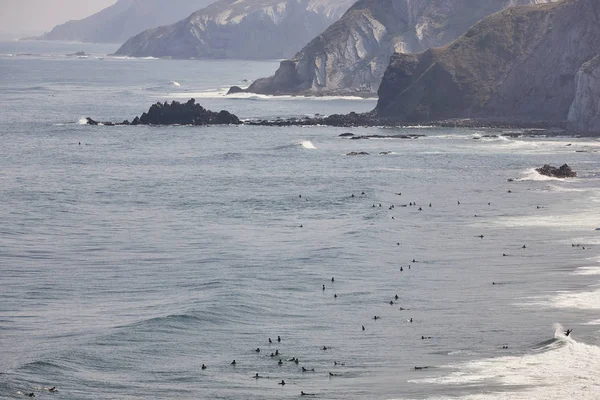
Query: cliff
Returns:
{"type": "Point", "coordinates": [584, 115]}
{"type": "Point", "coordinates": [243, 29]}
{"type": "Point", "coordinates": [125, 18]}
{"type": "Point", "coordinates": [517, 65]}
{"type": "Point", "coordinates": [351, 56]}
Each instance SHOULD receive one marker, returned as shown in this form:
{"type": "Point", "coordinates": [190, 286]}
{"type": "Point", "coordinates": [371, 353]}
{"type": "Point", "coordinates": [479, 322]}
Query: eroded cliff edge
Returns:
{"type": "Point", "coordinates": [516, 65]}
{"type": "Point", "coordinates": [351, 56]}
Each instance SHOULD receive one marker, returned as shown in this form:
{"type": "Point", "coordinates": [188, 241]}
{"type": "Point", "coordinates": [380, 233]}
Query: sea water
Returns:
{"type": "Point", "coordinates": [130, 256]}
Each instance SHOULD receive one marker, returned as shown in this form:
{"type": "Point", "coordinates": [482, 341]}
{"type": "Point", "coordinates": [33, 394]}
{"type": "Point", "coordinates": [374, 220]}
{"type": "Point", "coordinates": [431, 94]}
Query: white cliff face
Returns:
{"type": "Point", "coordinates": [250, 29]}
{"type": "Point", "coordinates": [354, 52]}
{"type": "Point", "coordinates": [584, 115]}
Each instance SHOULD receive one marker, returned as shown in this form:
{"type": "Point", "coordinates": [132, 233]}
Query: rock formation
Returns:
{"type": "Point", "coordinates": [176, 113]}
{"type": "Point", "coordinates": [563, 172]}
{"type": "Point", "coordinates": [125, 18]}
{"type": "Point", "coordinates": [516, 65]}
{"type": "Point", "coordinates": [584, 115]}
{"type": "Point", "coordinates": [350, 57]}
{"type": "Point", "coordinates": [242, 29]}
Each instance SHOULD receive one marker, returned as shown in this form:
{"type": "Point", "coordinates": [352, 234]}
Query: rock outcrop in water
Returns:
{"type": "Point", "coordinates": [350, 57]}
{"type": "Point", "coordinates": [584, 115]}
{"type": "Point", "coordinates": [563, 172]}
{"type": "Point", "coordinates": [125, 18]}
{"type": "Point", "coordinates": [516, 65]}
{"type": "Point", "coordinates": [177, 113]}
{"type": "Point", "coordinates": [242, 29]}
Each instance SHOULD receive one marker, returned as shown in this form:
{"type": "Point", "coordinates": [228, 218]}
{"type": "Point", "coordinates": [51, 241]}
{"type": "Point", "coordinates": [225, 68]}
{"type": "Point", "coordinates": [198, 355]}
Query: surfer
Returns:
{"type": "Point", "coordinates": [233, 362]}
{"type": "Point", "coordinates": [257, 350]}
{"type": "Point", "coordinates": [53, 389]}
{"type": "Point", "coordinates": [568, 332]}
{"type": "Point", "coordinates": [203, 367]}
{"type": "Point", "coordinates": [279, 339]}
{"type": "Point", "coordinates": [306, 394]}
{"type": "Point", "coordinates": [257, 376]}
{"type": "Point", "coordinates": [308, 370]}
{"type": "Point", "coordinates": [363, 327]}
{"type": "Point", "coordinates": [282, 383]}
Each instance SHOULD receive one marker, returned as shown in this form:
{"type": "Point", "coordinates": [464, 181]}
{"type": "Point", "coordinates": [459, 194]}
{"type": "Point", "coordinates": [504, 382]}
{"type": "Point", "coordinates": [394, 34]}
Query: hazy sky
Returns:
{"type": "Point", "coordinates": [38, 16]}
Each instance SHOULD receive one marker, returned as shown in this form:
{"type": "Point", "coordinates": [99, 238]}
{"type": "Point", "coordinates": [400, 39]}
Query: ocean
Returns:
{"type": "Point", "coordinates": [132, 255]}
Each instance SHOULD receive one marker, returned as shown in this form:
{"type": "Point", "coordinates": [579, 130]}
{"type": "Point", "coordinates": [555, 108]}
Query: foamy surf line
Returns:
{"type": "Point", "coordinates": [211, 94]}
{"type": "Point", "coordinates": [565, 367]}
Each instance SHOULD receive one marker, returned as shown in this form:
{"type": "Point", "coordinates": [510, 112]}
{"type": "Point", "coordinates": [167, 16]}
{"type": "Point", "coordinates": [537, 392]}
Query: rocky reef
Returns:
{"type": "Point", "coordinates": [564, 171]}
{"type": "Point", "coordinates": [177, 113]}
{"type": "Point", "coordinates": [516, 65]}
{"type": "Point", "coordinates": [584, 115]}
{"type": "Point", "coordinates": [240, 29]}
{"type": "Point", "coordinates": [351, 56]}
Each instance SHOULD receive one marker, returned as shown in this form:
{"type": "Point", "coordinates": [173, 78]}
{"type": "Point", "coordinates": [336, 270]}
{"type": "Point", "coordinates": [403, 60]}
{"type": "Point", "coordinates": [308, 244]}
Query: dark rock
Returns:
{"type": "Point", "coordinates": [347, 134]}
{"type": "Point", "coordinates": [136, 121]}
{"type": "Point", "coordinates": [386, 137]}
{"type": "Point", "coordinates": [360, 153]}
{"type": "Point", "coordinates": [188, 113]}
{"type": "Point", "coordinates": [516, 65]}
{"type": "Point", "coordinates": [235, 89]}
{"type": "Point", "coordinates": [563, 172]}
{"type": "Point", "coordinates": [126, 122]}
{"type": "Point", "coordinates": [90, 121]}
{"type": "Point", "coordinates": [78, 54]}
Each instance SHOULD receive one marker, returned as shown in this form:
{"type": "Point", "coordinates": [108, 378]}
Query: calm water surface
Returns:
{"type": "Point", "coordinates": [130, 256]}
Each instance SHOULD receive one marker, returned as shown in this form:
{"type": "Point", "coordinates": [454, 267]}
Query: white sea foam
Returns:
{"type": "Point", "coordinates": [566, 369]}
{"type": "Point", "coordinates": [588, 300]}
{"type": "Point", "coordinates": [210, 94]}
{"type": "Point", "coordinates": [565, 222]}
{"type": "Point", "coordinates": [307, 145]}
{"type": "Point", "coordinates": [175, 83]}
{"type": "Point", "coordinates": [587, 271]}
{"type": "Point", "coordinates": [533, 175]}
{"type": "Point", "coordinates": [82, 121]}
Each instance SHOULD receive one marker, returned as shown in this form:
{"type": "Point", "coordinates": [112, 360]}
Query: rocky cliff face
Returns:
{"type": "Point", "coordinates": [117, 23]}
{"type": "Point", "coordinates": [584, 115]}
{"type": "Point", "coordinates": [517, 65]}
{"type": "Point", "coordinates": [247, 29]}
{"type": "Point", "coordinates": [351, 56]}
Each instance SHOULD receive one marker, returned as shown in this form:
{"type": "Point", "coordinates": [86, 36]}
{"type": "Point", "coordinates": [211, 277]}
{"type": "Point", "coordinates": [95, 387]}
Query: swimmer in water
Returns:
{"type": "Point", "coordinates": [279, 339]}
{"type": "Point", "coordinates": [396, 296]}
{"type": "Point", "coordinates": [363, 327]}
{"type": "Point", "coordinates": [203, 367]}
{"type": "Point", "coordinates": [257, 350]}
{"type": "Point", "coordinates": [233, 362]}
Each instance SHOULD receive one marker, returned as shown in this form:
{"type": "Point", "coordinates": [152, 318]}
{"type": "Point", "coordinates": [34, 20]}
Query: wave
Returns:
{"type": "Point", "coordinates": [555, 369]}
{"type": "Point", "coordinates": [175, 83]}
{"type": "Point", "coordinates": [218, 93]}
{"type": "Point", "coordinates": [532, 175]}
{"type": "Point", "coordinates": [307, 144]}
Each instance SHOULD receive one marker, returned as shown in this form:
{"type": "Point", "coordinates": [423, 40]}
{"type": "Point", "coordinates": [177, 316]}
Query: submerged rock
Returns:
{"type": "Point", "coordinates": [358, 153]}
{"type": "Point", "coordinates": [563, 172]}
